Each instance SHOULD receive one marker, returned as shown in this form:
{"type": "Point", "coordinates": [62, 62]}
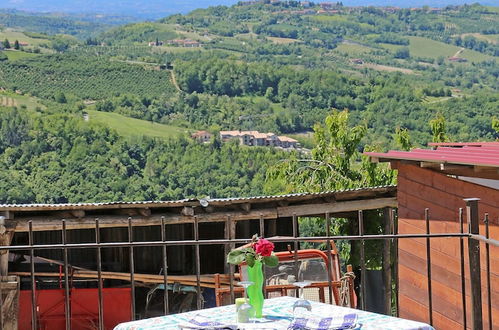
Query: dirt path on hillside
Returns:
{"type": "Point", "coordinates": [174, 81]}
{"type": "Point", "coordinates": [458, 52]}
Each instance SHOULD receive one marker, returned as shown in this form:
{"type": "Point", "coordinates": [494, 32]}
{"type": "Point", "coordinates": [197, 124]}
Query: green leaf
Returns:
{"type": "Point", "coordinates": [236, 257]}
{"type": "Point", "coordinates": [250, 259]}
{"type": "Point", "coordinates": [271, 261]}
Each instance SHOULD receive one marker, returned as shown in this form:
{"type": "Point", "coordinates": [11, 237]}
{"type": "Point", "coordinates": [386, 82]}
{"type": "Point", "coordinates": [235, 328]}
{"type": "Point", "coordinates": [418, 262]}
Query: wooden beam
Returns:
{"type": "Point", "coordinates": [187, 211]}
{"type": "Point", "coordinates": [246, 207]}
{"type": "Point", "coordinates": [41, 223]}
{"type": "Point", "coordinates": [145, 212]}
{"type": "Point", "coordinates": [332, 208]}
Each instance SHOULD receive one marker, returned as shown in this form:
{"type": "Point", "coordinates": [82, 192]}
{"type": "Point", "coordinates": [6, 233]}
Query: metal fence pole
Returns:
{"type": "Point", "coordinates": [198, 262]}
{"type": "Point", "coordinates": [34, 320]}
{"type": "Point", "coordinates": [487, 260]}
{"type": "Point", "coordinates": [329, 259]}
{"type": "Point", "coordinates": [428, 265]}
{"type": "Point", "coordinates": [463, 274]}
{"type": "Point", "coordinates": [166, 306]}
{"type": "Point", "coordinates": [132, 267]}
{"type": "Point", "coordinates": [67, 307]}
{"type": "Point", "coordinates": [262, 234]}
{"type": "Point", "coordinates": [474, 261]}
{"type": "Point", "coordinates": [99, 275]}
{"type": "Point", "coordinates": [362, 262]}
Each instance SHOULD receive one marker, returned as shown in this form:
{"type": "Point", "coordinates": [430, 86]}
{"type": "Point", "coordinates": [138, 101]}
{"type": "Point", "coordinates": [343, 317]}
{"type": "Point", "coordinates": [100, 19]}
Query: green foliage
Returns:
{"type": "Point", "coordinates": [59, 158]}
{"type": "Point", "coordinates": [6, 44]}
{"type": "Point", "coordinates": [495, 124]}
{"type": "Point", "coordinates": [402, 53]}
{"type": "Point", "coordinates": [403, 139]}
{"type": "Point", "coordinates": [49, 24]}
{"type": "Point", "coordinates": [438, 128]}
{"type": "Point", "coordinates": [334, 162]}
{"type": "Point", "coordinates": [87, 77]}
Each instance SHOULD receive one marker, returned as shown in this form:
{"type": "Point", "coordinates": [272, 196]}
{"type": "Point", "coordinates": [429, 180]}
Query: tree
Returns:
{"type": "Point", "coordinates": [6, 43]}
{"type": "Point", "coordinates": [438, 128]}
{"type": "Point", "coordinates": [402, 53]}
{"type": "Point", "coordinates": [60, 98]}
{"type": "Point", "coordinates": [16, 45]}
{"type": "Point", "coordinates": [403, 138]}
{"type": "Point", "coordinates": [334, 164]}
{"type": "Point", "coordinates": [495, 124]}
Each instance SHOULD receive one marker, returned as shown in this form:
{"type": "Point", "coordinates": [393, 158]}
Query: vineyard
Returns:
{"type": "Point", "coordinates": [86, 77]}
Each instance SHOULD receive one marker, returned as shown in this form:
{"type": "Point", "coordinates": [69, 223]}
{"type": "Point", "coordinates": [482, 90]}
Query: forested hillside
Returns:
{"type": "Point", "coordinates": [281, 67]}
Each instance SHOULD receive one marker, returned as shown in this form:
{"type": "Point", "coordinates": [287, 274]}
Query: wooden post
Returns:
{"type": "Point", "coordinates": [7, 228]}
{"type": "Point", "coordinates": [474, 263]}
{"type": "Point", "coordinates": [9, 288]}
{"type": "Point", "coordinates": [387, 275]}
{"type": "Point", "coordinates": [9, 285]}
{"type": "Point", "coordinates": [230, 233]}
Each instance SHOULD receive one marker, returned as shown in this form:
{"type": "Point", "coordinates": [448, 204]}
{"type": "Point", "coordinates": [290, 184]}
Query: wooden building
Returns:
{"type": "Point", "coordinates": [217, 219]}
{"type": "Point", "coordinates": [440, 179]}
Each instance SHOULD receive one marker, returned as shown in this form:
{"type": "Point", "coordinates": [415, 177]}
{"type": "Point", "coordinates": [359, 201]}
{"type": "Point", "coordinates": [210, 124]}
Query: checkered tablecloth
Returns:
{"type": "Point", "coordinates": [275, 308]}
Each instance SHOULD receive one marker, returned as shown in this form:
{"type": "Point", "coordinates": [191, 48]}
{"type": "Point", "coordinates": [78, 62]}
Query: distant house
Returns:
{"type": "Point", "coordinates": [457, 59]}
{"type": "Point", "coordinates": [255, 138]}
{"type": "Point", "coordinates": [155, 43]}
{"type": "Point", "coordinates": [305, 4]}
{"type": "Point", "coordinates": [356, 61]}
{"type": "Point", "coordinates": [202, 136]}
{"type": "Point", "coordinates": [327, 5]}
{"type": "Point", "coordinates": [23, 44]}
{"type": "Point", "coordinates": [287, 142]}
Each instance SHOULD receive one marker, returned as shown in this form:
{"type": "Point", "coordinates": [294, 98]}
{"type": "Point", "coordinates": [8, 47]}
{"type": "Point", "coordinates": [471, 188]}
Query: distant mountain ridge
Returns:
{"type": "Point", "coordinates": [154, 9]}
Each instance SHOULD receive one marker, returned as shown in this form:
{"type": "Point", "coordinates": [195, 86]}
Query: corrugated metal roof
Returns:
{"type": "Point", "coordinates": [484, 154]}
{"type": "Point", "coordinates": [186, 202]}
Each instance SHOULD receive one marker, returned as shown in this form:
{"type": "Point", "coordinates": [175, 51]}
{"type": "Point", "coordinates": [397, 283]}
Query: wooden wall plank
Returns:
{"type": "Point", "coordinates": [418, 189]}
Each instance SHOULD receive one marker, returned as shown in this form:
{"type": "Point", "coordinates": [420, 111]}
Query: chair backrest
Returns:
{"type": "Point", "coordinates": [311, 265]}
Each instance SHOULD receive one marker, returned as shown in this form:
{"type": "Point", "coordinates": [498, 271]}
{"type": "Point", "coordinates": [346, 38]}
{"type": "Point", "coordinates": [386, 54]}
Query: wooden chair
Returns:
{"type": "Point", "coordinates": [342, 287]}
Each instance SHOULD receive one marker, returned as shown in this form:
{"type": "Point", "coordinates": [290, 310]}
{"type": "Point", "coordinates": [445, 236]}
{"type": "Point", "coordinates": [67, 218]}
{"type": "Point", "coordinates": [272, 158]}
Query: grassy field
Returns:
{"type": "Point", "coordinates": [16, 54]}
{"type": "Point", "coordinates": [284, 41]}
{"type": "Point", "coordinates": [8, 99]}
{"type": "Point", "coordinates": [352, 49]}
{"type": "Point", "coordinates": [13, 35]}
{"type": "Point", "coordinates": [492, 38]}
{"type": "Point", "coordinates": [129, 127]}
{"type": "Point", "coordinates": [424, 47]}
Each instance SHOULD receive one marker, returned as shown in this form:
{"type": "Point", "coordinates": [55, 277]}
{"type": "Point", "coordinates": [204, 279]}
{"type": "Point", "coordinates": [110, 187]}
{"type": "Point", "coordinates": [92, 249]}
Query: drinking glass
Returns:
{"type": "Point", "coordinates": [302, 305]}
{"type": "Point", "coordinates": [245, 311]}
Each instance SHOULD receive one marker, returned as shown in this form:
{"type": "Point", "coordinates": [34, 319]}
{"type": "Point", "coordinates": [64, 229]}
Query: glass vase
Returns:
{"type": "Point", "coordinates": [255, 292]}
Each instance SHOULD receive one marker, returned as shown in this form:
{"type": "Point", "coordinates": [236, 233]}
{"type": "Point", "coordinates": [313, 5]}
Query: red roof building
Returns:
{"type": "Point", "coordinates": [439, 179]}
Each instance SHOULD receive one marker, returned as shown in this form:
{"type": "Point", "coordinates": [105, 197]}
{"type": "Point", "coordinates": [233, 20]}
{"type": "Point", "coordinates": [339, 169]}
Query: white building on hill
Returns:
{"type": "Point", "coordinates": [255, 138]}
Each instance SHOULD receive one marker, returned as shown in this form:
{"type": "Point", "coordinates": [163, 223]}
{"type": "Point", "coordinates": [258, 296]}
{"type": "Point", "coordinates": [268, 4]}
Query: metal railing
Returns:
{"type": "Point", "coordinates": [472, 236]}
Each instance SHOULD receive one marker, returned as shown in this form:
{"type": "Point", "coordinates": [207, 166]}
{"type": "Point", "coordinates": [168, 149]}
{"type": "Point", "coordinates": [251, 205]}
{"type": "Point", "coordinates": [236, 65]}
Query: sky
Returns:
{"type": "Point", "coordinates": [153, 9]}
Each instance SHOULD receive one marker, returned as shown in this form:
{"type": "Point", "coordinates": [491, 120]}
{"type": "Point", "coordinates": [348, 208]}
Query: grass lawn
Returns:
{"type": "Point", "coordinates": [12, 99]}
{"type": "Point", "coordinates": [13, 35]}
{"type": "Point", "coordinates": [129, 127]}
{"type": "Point", "coordinates": [16, 54]}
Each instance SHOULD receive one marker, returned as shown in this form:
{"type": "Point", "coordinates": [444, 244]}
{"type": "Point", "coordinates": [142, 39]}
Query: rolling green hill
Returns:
{"type": "Point", "coordinates": [130, 127]}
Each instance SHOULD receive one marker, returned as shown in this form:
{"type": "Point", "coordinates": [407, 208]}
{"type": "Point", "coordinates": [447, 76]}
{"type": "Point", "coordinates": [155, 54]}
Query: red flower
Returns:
{"type": "Point", "coordinates": [264, 247]}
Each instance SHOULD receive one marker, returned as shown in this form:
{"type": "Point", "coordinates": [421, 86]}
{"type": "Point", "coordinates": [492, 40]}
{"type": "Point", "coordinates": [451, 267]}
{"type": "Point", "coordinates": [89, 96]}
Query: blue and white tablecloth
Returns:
{"type": "Point", "coordinates": [280, 312]}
